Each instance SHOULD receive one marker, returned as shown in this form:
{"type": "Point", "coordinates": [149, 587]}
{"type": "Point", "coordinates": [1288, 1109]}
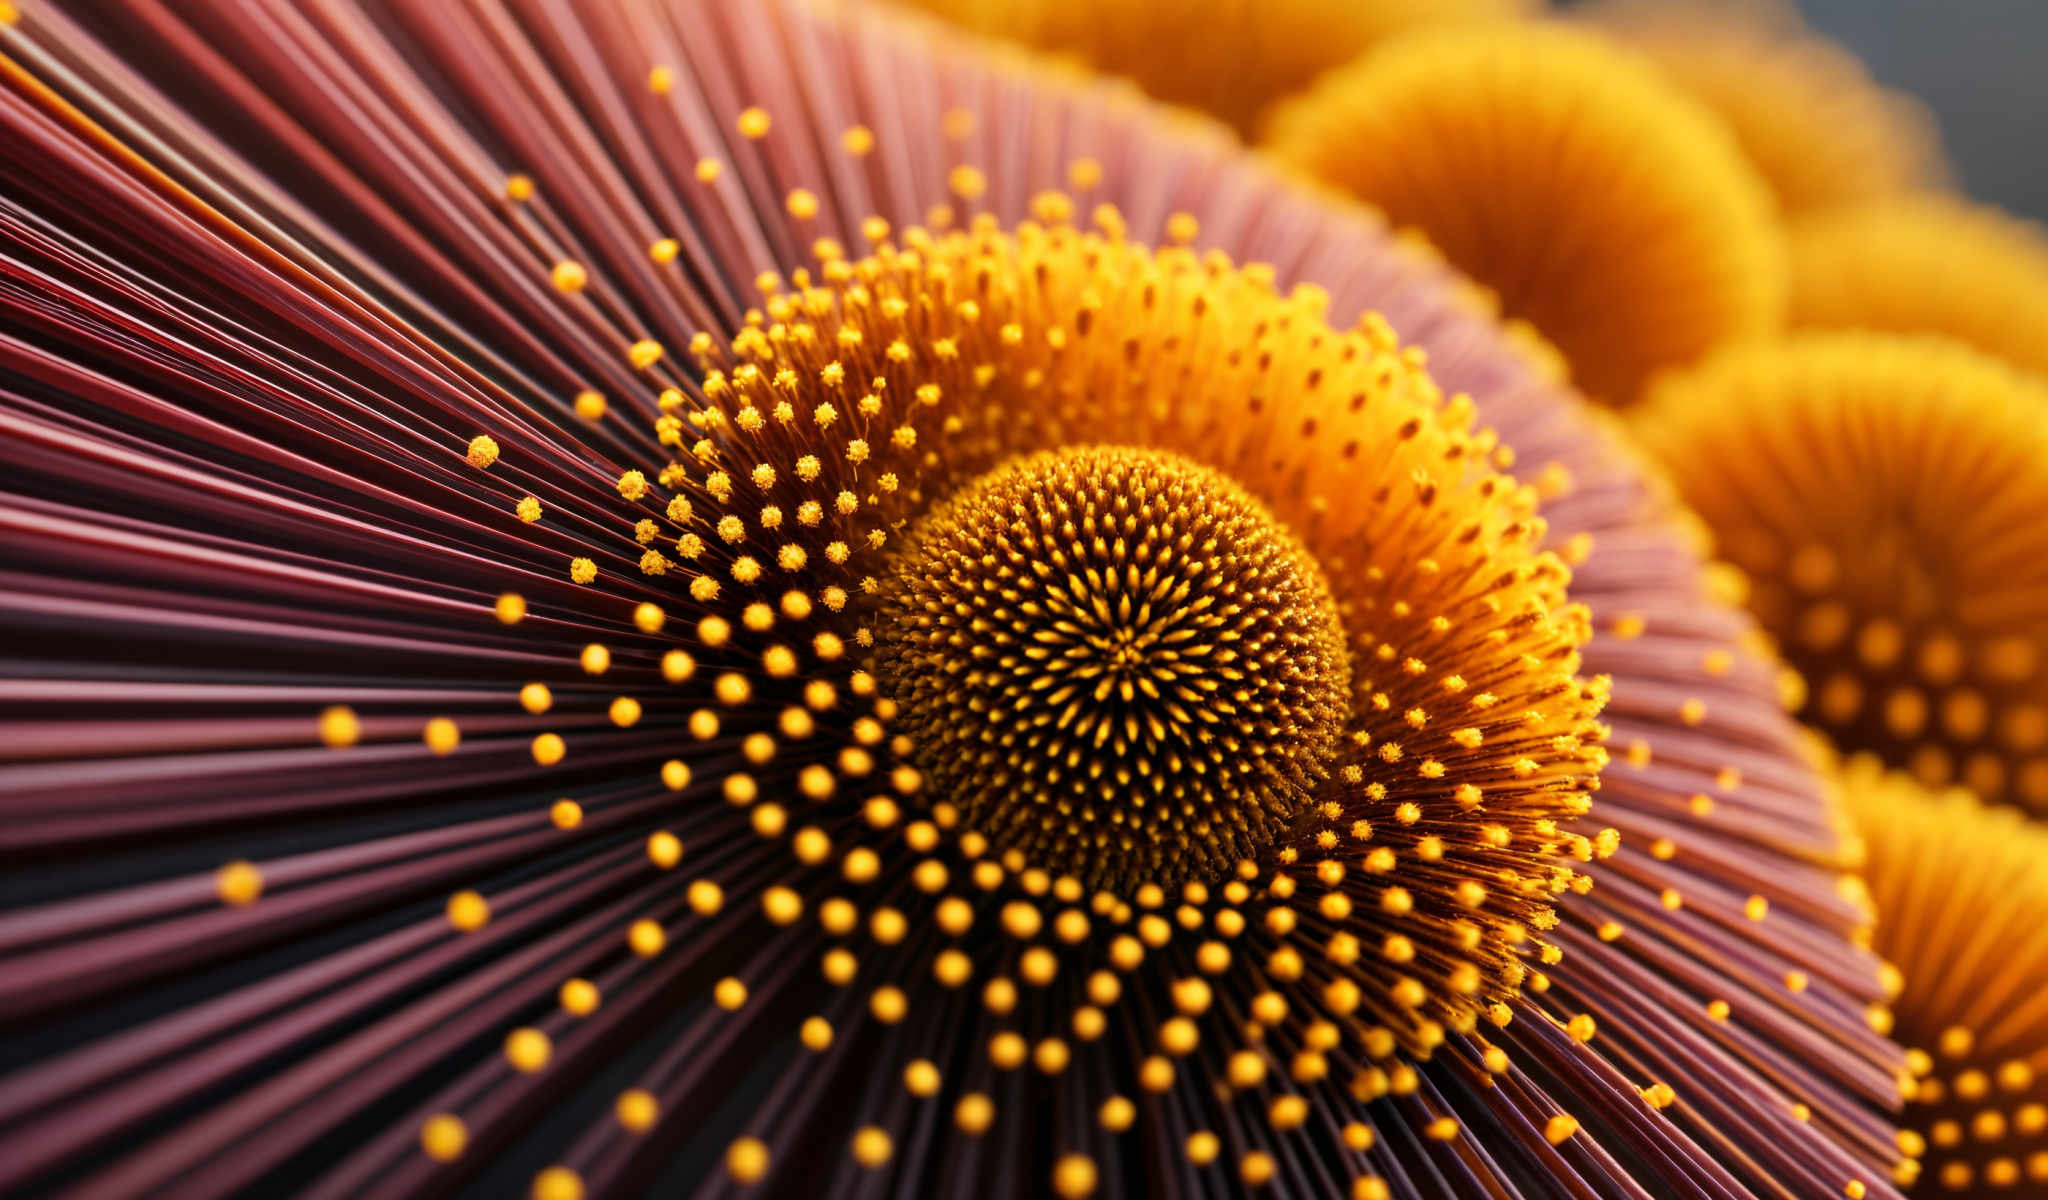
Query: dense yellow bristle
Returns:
{"type": "Point", "coordinates": [1884, 496]}
{"type": "Point", "coordinates": [1226, 58]}
{"type": "Point", "coordinates": [1961, 892]}
{"type": "Point", "coordinates": [1597, 201]}
{"type": "Point", "coordinates": [1807, 115]}
{"type": "Point", "coordinates": [1926, 264]}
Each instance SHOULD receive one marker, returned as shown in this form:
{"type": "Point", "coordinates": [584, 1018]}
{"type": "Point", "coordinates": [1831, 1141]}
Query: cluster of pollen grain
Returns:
{"type": "Point", "coordinates": [1384, 885]}
{"type": "Point", "coordinates": [1898, 571]}
{"type": "Point", "coordinates": [1966, 1006]}
{"type": "Point", "coordinates": [1114, 660]}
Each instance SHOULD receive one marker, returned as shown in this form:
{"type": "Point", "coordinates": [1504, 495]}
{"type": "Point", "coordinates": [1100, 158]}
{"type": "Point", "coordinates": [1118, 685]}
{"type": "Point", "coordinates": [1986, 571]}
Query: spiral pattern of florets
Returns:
{"type": "Point", "coordinates": [1116, 660]}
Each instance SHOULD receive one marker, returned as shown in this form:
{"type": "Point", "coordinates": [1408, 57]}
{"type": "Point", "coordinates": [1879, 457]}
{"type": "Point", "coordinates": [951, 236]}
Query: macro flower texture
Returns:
{"type": "Point", "coordinates": [653, 597]}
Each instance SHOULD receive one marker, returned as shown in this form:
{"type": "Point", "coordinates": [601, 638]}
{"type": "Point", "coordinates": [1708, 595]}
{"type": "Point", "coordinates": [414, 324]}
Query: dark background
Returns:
{"type": "Point", "coordinates": [1980, 65]}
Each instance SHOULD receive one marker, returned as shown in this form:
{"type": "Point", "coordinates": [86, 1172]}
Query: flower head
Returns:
{"type": "Point", "coordinates": [1926, 265]}
{"type": "Point", "coordinates": [393, 832]}
{"type": "Point", "coordinates": [1959, 888]}
{"type": "Point", "coordinates": [1807, 115]}
{"type": "Point", "coordinates": [1882, 494]}
{"type": "Point", "coordinates": [1600, 204]}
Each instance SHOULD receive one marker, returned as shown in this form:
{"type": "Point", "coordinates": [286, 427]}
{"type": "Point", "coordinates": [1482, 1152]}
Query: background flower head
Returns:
{"type": "Point", "coordinates": [1806, 113]}
{"type": "Point", "coordinates": [1958, 884]}
{"type": "Point", "coordinates": [1881, 493]}
{"type": "Point", "coordinates": [1600, 203]}
{"type": "Point", "coordinates": [1926, 264]}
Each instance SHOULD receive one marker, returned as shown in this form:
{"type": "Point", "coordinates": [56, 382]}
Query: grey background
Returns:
{"type": "Point", "coordinates": [1980, 65]}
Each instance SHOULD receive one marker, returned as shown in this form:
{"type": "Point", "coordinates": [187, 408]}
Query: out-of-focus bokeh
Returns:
{"type": "Point", "coordinates": [1976, 64]}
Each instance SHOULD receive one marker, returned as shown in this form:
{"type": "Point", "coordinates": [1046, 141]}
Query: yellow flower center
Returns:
{"type": "Point", "coordinates": [1116, 660]}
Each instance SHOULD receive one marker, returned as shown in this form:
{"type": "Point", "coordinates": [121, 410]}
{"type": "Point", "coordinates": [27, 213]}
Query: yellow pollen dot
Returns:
{"type": "Point", "coordinates": [566, 814]}
{"type": "Point", "coordinates": [637, 1110]}
{"type": "Point", "coordinates": [677, 666]}
{"type": "Point", "coordinates": [528, 1050]}
{"type": "Point", "coordinates": [839, 967]}
{"type": "Point", "coordinates": [511, 608]}
{"type": "Point", "coordinates": [579, 997]}
{"type": "Point", "coordinates": [664, 849]}
{"type": "Point", "coordinates": [753, 123]}
{"type": "Point", "coordinates": [482, 452]}
{"type": "Point", "coordinates": [569, 277]}
{"type": "Point", "coordinates": [518, 188]}
{"type": "Point", "coordinates": [596, 659]}
{"type": "Point", "coordinates": [746, 1160]}
{"type": "Point", "coordinates": [781, 905]}
{"type": "Point", "coordinates": [708, 170]}
{"type": "Point", "coordinates": [339, 728]}
{"type": "Point", "coordinates": [1074, 1177]}
{"type": "Point", "coordinates": [967, 182]}
{"type": "Point", "coordinates": [974, 1113]}
{"type": "Point", "coordinates": [558, 1183]}
{"type": "Point", "coordinates": [238, 884]}
{"type": "Point", "coordinates": [441, 735]}
{"type": "Point", "coordinates": [444, 1137]}
{"type": "Point", "coordinates": [649, 618]}
{"type": "Point", "coordinates": [645, 938]}
{"type": "Point", "coordinates": [468, 911]}
{"type": "Point", "coordinates": [582, 570]}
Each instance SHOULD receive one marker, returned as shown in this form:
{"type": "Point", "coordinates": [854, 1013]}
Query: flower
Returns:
{"type": "Point", "coordinates": [1926, 265]}
{"type": "Point", "coordinates": [1882, 494]}
{"type": "Point", "coordinates": [1959, 887]}
{"type": "Point", "coordinates": [1603, 206]}
{"type": "Point", "coordinates": [386, 840]}
{"type": "Point", "coordinates": [1228, 59]}
{"type": "Point", "coordinates": [1807, 115]}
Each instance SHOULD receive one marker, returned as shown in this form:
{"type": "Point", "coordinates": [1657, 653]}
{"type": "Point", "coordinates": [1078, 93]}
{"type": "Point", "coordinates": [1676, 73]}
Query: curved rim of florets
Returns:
{"type": "Point", "coordinates": [1482, 744]}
